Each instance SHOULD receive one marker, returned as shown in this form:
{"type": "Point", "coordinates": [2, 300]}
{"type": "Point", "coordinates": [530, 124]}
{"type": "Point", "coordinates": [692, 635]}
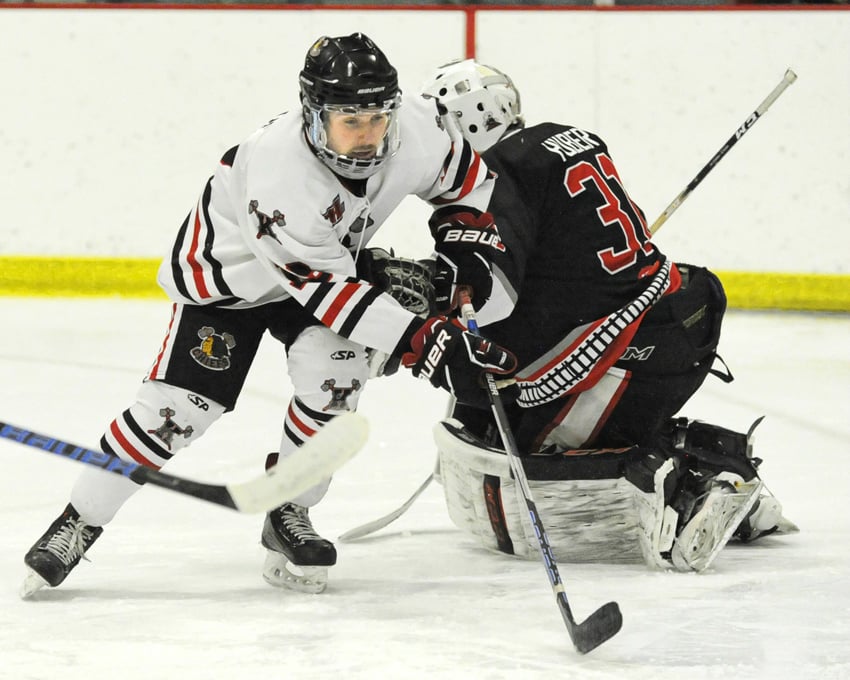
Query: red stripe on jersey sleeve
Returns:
{"type": "Point", "coordinates": [197, 268]}
{"type": "Point", "coordinates": [471, 177]}
{"type": "Point", "coordinates": [339, 302]}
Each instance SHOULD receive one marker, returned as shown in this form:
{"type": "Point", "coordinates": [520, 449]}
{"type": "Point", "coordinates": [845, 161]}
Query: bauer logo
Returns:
{"type": "Point", "coordinates": [214, 350]}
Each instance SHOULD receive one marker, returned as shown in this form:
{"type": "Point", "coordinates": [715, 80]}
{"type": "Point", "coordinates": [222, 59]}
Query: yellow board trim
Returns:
{"type": "Point", "coordinates": [38, 276]}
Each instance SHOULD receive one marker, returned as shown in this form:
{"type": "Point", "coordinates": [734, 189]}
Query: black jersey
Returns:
{"type": "Point", "coordinates": [579, 248]}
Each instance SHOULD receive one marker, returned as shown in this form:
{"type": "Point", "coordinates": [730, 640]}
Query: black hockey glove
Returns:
{"type": "Point", "coordinates": [446, 354]}
{"type": "Point", "coordinates": [466, 243]}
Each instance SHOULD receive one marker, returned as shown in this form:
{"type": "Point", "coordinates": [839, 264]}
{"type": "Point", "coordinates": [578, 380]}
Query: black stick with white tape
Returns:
{"type": "Point", "coordinates": [787, 80]}
{"type": "Point", "coordinates": [314, 461]}
{"type": "Point", "coordinates": [606, 621]}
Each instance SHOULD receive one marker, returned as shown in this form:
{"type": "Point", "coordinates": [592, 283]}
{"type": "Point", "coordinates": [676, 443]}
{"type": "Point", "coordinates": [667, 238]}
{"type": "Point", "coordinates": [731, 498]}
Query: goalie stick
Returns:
{"type": "Point", "coordinates": [369, 528]}
{"type": "Point", "coordinates": [606, 621]}
{"type": "Point", "coordinates": [787, 80]}
{"type": "Point", "coordinates": [315, 460]}
{"type": "Point", "coordinates": [389, 518]}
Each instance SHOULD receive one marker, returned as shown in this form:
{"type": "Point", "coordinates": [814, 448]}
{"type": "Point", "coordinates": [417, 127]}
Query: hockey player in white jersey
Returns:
{"type": "Point", "coordinates": [277, 242]}
{"type": "Point", "coordinates": [612, 339]}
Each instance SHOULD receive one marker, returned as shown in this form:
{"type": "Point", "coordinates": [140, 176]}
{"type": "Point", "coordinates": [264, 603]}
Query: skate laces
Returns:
{"type": "Point", "coordinates": [70, 541]}
{"type": "Point", "coordinates": [297, 522]}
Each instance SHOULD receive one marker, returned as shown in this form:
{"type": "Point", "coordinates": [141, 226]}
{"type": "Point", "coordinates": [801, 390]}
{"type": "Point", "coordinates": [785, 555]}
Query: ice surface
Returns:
{"type": "Point", "coordinates": [174, 589]}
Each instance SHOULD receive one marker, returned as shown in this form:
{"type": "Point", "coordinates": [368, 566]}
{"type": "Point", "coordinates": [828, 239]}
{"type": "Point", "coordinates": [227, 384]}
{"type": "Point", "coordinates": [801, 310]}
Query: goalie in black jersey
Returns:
{"type": "Point", "coordinates": [612, 339]}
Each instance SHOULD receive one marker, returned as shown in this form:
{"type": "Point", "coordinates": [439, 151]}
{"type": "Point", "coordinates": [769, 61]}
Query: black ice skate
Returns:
{"type": "Point", "coordinates": [298, 558]}
{"type": "Point", "coordinates": [58, 551]}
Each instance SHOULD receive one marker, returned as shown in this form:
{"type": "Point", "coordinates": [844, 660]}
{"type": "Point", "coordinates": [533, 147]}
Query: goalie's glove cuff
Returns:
{"type": "Point", "coordinates": [443, 352]}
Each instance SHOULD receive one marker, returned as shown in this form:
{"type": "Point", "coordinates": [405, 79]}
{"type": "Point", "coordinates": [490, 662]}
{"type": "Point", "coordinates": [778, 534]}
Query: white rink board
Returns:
{"type": "Point", "coordinates": [112, 120]}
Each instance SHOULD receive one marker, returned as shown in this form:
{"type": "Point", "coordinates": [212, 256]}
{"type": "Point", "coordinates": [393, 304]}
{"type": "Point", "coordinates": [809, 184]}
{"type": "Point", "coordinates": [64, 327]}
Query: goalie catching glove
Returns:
{"type": "Point", "coordinates": [448, 356]}
{"type": "Point", "coordinates": [466, 244]}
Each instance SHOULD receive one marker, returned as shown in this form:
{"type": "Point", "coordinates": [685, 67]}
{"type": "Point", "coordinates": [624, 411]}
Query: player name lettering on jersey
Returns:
{"type": "Point", "coordinates": [569, 143]}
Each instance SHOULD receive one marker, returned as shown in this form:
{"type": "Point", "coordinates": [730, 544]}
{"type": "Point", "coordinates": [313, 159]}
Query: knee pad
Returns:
{"type": "Point", "coordinates": [327, 371]}
{"type": "Point", "coordinates": [163, 420]}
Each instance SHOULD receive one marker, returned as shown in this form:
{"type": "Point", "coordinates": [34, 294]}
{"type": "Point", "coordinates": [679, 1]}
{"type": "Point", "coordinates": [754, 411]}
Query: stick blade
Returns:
{"type": "Point", "coordinates": [377, 524]}
{"type": "Point", "coordinates": [318, 458]}
{"type": "Point", "coordinates": [601, 625]}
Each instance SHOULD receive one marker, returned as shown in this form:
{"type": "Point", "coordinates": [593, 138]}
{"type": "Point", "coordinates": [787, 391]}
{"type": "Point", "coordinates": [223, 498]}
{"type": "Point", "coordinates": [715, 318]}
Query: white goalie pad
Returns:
{"type": "Point", "coordinates": [586, 520]}
{"type": "Point", "coordinates": [599, 520]}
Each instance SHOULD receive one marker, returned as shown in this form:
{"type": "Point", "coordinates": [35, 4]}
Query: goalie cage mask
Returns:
{"type": "Point", "coordinates": [482, 100]}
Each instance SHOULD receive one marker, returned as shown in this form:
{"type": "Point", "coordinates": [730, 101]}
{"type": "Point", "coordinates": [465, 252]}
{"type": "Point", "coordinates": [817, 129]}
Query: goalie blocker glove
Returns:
{"type": "Point", "coordinates": [466, 245]}
{"type": "Point", "coordinates": [443, 352]}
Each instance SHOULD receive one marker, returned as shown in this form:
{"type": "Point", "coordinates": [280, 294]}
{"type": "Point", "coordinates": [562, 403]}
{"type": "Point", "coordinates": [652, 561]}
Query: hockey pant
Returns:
{"type": "Point", "coordinates": [197, 376]}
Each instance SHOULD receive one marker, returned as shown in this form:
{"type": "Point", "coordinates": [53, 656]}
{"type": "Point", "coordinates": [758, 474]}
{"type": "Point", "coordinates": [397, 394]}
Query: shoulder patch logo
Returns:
{"type": "Point", "coordinates": [265, 222]}
{"type": "Point", "coordinates": [214, 350]}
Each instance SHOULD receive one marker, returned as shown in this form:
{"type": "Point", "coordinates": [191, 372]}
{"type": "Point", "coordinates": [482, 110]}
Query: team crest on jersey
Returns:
{"type": "Point", "coordinates": [266, 222]}
{"type": "Point", "coordinates": [339, 395]}
{"type": "Point", "coordinates": [334, 212]}
{"type": "Point", "coordinates": [214, 350]}
{"type": "Point", "coordinates": [169, 429]}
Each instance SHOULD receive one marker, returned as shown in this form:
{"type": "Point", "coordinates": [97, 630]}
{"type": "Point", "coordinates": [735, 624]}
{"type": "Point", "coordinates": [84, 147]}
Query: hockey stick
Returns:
{"type": "Point", "coordinates": [378, 524]}
{"type": "Point", "coordinates": [606, 621]}
{"type": "Point", "coordinates": [787, 80]}
{"type": "Point", "coordinates": [381, 522]}
{"type": "Point", "coordinates": [317, 458]}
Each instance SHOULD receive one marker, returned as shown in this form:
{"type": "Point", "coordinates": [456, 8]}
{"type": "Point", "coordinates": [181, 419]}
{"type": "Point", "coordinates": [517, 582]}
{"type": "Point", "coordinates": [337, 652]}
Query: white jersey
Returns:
{"type": "Point", "coordinates": [274, 222]}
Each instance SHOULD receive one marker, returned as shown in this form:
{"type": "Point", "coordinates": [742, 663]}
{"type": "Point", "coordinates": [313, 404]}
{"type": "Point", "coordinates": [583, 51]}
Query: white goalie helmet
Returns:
{"type": "Point", "coordinates": [481, 99]}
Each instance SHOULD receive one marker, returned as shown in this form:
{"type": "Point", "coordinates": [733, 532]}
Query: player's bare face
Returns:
{"type": "Point", "coordinates": [357, 135]}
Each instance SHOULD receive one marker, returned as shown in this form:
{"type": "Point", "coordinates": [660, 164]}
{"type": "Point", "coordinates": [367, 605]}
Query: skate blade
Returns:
{"type": "Point", "coordinates": [31, 585]}
{"type": "Point", "coordinates": [281, 573]}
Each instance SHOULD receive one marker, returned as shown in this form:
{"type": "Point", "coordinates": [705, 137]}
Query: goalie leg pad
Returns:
{"type": "Point", "coordinates": [587, 520]}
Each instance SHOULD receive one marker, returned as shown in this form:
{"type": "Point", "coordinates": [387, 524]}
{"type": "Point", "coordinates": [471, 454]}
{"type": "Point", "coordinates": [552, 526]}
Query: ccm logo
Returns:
{"type": "Point", "coordinates": [435, 355]}
{"type": "Point", "coordinates": [474, 236]}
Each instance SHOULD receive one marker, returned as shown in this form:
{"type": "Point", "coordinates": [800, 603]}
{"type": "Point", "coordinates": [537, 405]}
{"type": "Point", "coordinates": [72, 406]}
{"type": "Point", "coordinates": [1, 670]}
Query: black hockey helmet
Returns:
{"type": "Point", "coordinates": [351, 74]}
{"type": "Point", "coordinates": [348, 71]}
